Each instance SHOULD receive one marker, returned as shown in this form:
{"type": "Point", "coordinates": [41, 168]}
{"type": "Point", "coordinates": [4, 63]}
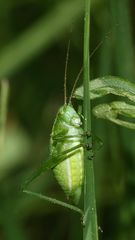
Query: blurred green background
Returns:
{"type": "Point", "coordinates": [33, 42]}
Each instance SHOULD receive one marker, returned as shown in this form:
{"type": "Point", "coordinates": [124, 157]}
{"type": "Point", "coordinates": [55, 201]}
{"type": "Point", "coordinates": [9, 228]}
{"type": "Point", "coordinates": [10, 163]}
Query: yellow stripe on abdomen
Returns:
{"type": "Point", "coordinates": [70, 172]}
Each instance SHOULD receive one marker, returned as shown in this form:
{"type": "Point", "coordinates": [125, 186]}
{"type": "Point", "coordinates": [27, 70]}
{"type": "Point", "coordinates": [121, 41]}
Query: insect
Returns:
{"type": "Point", "coordinates": [66, 152]}
{"type": "Point", "coordinates": [67, 133]}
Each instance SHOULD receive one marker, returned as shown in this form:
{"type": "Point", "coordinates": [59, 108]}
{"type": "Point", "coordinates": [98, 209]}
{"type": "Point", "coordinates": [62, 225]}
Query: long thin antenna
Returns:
{"type": "Point", "coordinates": [76, 80]}
{"type": "Point", "coordinates": [81, 70]}
{"type": "Point", "coordinates": [96, 48]}
{"type": "Point", "coordinates": [91, 55]}
{"type": "Point", "coordinates": [65, 74]}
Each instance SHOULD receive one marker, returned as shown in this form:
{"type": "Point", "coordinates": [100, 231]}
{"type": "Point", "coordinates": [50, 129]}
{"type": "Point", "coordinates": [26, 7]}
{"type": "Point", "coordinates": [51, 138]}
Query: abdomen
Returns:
{"type": "Point", "coordinates": [70, 172]}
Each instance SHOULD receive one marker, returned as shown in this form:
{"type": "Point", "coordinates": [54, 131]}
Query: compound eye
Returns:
{"type": "Point", "coordinates": [76, 121]}
{"type": "Point", "coordinates": [61, 112]}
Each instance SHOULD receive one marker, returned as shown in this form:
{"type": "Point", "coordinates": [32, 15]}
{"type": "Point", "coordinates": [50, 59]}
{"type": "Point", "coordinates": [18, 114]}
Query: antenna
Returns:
{"type": "Point", "coordinates": [91, 55]}
{"type": "Point", "coordinates": [76, 80]}
{"type": "Point", "coordinates": [81, 70]}
{"type": "Point", "coordinates": [65, 74]}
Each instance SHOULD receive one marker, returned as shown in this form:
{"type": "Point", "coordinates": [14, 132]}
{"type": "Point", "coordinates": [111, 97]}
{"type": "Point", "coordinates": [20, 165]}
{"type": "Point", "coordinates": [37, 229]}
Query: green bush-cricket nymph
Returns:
{"type": "Point", "coordinates": [67, 133]}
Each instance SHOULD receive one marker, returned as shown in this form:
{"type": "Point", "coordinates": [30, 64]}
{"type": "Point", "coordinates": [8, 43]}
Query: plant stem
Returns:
{"type": "Point", "coordinates": [90, 215]}
{"type": "Point", "coordinates": [4, 93]}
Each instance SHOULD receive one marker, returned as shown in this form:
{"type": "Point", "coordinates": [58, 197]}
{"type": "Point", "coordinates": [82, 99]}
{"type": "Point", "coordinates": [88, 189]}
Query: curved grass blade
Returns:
{"type": "Point", "coordinates": [117, 86]}
{"type": "Point", "coordinates": [103, 86]}
{"type": "Point", "coordinates": [111, 111]}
